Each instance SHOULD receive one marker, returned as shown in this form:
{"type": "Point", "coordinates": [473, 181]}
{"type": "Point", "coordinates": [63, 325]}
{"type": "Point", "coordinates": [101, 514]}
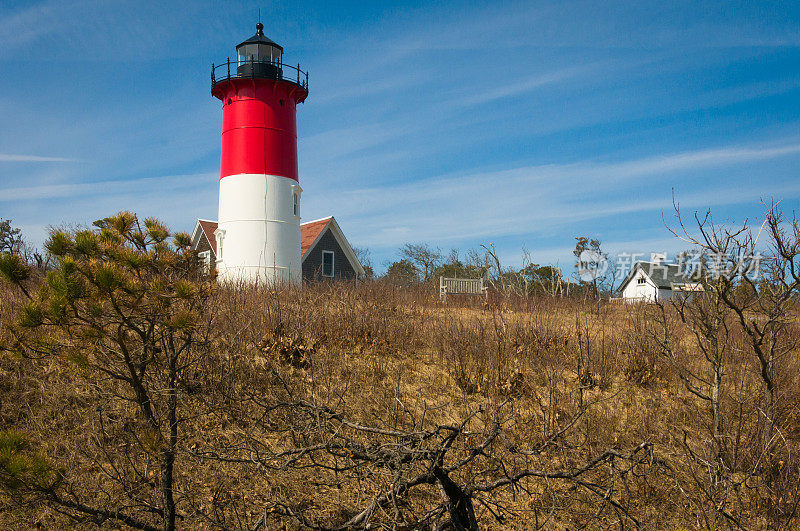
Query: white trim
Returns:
{"type": "Point", "coordinates": [316, 220]}
{"type": "Point", "coordinates": [219, 234]}
{"type": "Point", "coordinates": [333, 264]}
{"type": "Point", "coordinates": [347, 248]}
{"type": "Point", "coordinates": [198, 230]}
{"type": "Point", "coordinates": [316, 240]}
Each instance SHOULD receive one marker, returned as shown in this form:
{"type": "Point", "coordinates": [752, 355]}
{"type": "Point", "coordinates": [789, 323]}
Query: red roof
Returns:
{"type": "Point", "coordinates": [208, 229]}
{"type": "Point", "coordinates": [309, 232]}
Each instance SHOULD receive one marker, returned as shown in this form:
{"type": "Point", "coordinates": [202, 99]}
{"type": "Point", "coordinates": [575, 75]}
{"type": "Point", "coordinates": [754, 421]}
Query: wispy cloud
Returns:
{"type": "Point", "coordinates": [450, 123]}
{"type": "Point", "coordinates": [8, 157]}
{"type": "Point", "coordinates": [534, 200]}
{"type": "Point", "coordinates": [532, 178]}
{"type": "Point", "coordinates": [71, 29]}
{"type": "Point", "coordinates": [701, 159]}
{"type": "Point", "coordinates": [524, 86]}
{"type": "Point", "coordinates": [104, 188]}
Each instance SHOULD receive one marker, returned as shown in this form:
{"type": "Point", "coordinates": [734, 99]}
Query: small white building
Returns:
{"type": "Point", "coordinates": [656, 281]}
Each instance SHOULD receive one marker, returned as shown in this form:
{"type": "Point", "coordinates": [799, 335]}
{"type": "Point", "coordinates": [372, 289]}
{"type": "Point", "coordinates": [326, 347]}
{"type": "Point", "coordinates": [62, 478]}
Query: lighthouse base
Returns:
{"type": "Point", "coordinates": [258, 236]}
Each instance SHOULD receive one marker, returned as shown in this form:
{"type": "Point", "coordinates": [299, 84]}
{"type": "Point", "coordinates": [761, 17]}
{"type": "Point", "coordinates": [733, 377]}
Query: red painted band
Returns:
{"type": "Point", "coordinates": [259, 127]}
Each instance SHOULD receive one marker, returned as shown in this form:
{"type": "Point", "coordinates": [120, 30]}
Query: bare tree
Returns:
{"type": "Point", "coordinates": [709, 320]}
{"type": "Point", "coordinates": [425, 258]}
{"type": "Point", "coordinates": [473, 461]}
{"type": "Point", "coordinates": [760, 293]}
{"type": "Point", "coordinates": [506, 281]}
{"type": "Point", "coordinates": [365, 259]}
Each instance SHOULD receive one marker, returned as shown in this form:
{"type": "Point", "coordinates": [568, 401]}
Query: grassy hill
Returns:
{"type": "Point", "coordinates": [135, 393]}
{"type": "Point", "coordinates": [306, 408]}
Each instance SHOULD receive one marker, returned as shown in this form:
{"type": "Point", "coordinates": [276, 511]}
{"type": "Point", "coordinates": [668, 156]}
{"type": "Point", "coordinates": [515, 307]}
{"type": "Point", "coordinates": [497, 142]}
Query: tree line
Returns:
{"type": "Point", "coordinates": [421, 264]}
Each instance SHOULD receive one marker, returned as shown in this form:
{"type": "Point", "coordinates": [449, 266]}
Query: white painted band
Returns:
{"type": "Point", "coordinates": [258, 236]}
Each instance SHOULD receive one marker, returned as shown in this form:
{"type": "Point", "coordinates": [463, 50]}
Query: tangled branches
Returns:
{"type": "Point", "coordinates": [431, 474]}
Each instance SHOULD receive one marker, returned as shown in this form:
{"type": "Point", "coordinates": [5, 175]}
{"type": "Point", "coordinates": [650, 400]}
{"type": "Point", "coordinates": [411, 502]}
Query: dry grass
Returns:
{"type": "Point", "coordinates": [382, 356]}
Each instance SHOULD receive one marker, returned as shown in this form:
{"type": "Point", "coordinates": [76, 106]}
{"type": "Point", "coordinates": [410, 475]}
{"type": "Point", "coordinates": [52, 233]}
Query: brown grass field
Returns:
{"type": "Point", "coordinates": [303, 407]}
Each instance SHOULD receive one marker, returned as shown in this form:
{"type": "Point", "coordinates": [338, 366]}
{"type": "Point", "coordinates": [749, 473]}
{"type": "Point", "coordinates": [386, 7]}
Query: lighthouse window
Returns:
{"type": "Point", "coordinates": [296, 205]}
{"type": "Point", "coordinates": [248, 53]}
{"type": "Point", "coordinates": [258, 53]}
{"type": "Point", "coordinates": [327, 263]}
{"type": "Point", "coordinates": [220, 237]}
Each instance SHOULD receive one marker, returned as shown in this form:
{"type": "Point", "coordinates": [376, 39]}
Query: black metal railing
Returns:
{"type": "Point", "coordinates": [252, 69]}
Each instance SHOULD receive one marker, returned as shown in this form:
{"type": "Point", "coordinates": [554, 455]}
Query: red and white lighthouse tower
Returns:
{"type": "Point", "coordinates": [258, 237]}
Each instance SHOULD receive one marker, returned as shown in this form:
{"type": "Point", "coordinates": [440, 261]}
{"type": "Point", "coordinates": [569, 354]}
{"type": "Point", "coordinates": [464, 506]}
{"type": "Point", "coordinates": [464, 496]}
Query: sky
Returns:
{"type": "Point", "coordinates": [457, 124]}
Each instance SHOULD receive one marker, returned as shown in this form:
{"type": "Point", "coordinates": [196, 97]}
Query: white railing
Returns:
{"type": "Point", "coordinates": [468, 286]}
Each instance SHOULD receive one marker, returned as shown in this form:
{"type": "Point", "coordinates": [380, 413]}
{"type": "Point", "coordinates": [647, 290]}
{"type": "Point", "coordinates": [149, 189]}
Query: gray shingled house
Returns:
{"type": "Point", "coordinates": [326, 253]}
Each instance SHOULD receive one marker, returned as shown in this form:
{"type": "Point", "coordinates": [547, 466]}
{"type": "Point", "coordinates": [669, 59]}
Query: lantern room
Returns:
{"type": "Point", "coordinates": [259, 56]}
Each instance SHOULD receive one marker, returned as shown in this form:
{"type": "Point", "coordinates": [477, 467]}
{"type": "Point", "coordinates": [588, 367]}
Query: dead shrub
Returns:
{"type": "Point", "coordinates": [293, 350]}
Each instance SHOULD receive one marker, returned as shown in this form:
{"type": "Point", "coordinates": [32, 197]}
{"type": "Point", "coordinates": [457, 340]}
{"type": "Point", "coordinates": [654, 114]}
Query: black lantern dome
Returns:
{"type": "Point", "coordinates": [259, 57]}
{"type": "Point", "coordinates": [259, 48]}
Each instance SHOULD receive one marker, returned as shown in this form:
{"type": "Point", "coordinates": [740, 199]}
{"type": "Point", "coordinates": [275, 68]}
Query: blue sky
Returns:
{"type": "Point", "coordinates": [453, 123]}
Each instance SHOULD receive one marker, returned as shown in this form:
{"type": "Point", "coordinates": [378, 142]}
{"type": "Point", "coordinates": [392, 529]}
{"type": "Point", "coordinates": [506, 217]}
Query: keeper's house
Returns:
{"type": "Point", "coordinates": [325, 252]}
{"type": "Point", "coordinates": [655, 281]}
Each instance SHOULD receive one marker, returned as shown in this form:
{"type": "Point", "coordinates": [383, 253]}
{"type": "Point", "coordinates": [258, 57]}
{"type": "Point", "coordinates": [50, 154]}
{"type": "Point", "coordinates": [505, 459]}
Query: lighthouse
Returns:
{"type": "Point", "coordinates": [258, 232]}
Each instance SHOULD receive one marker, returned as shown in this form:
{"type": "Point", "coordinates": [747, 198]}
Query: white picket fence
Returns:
{"type": "Point", "coordinates": [468, 286]}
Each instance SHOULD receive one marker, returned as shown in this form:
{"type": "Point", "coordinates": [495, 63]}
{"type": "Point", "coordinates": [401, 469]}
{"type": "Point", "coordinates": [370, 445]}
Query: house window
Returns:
{"type": "Point", "coordinates": [641, 280]}
{"type": "Point", "coordinates": [205, 260]}
{"type": "Point", "coordinates": [296, 205]}
{"type": "Point", "coordinates": [327, 263]}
